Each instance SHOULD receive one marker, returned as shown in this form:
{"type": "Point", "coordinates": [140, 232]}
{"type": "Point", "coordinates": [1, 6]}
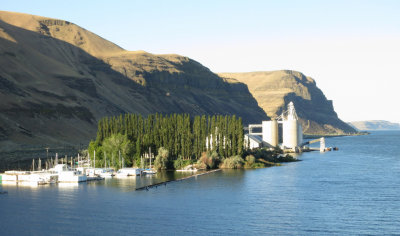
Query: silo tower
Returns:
{"type": "Point", "coordinates": [292, 131]}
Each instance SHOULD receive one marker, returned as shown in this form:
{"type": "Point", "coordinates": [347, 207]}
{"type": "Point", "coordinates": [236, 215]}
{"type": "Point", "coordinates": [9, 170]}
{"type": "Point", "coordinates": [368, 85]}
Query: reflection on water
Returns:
{"type": "Point", "coordinates": [350, 192]}
{"type": "Point", "coordinates": [68, 185]}
{"type": "Point", "coordinates": [130, 183]}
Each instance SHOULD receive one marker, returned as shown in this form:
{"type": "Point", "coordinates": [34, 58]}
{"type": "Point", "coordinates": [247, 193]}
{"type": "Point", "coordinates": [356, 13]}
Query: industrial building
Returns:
{"type": "Point", "coordinates": [285, 131]}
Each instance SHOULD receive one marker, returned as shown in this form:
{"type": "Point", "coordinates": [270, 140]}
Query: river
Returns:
{"type": "Point", "coordinates": [355, 190]}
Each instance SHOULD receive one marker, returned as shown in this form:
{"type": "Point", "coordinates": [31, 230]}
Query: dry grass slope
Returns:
{"type": "Point", "coordinates": [273, 90]}
{"type": "Point", "coordinates": [57, 79]}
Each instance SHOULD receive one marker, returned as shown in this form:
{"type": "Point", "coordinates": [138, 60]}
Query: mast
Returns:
{"type": "Point", "coordinates": [119, 157]}
{"type": "Point", "coordinates": [94, 154]}
{"type": "Point", "coordinates": [112, 157]}
{"type": "Point", "coordinates": [105, 160]}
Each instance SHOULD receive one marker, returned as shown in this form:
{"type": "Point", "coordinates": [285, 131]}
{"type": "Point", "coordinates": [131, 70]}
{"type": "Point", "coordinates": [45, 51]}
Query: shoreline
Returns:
{"type": "Point", "coordinates": [315, 136]}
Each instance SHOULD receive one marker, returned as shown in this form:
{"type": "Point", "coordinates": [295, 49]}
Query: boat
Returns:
{"type": "Point", "coordinates": [105, 172]}
{"type": "Point", "coordinates": [34, 177]}
{"type": "Point", "coordinates": [124, 172]}
{"type": "Point", "coordinates": [66, 175]}
{"type": "Point", "coordinates": [189, 168]}
{"type": "Point", "coordinates": [149, 171]}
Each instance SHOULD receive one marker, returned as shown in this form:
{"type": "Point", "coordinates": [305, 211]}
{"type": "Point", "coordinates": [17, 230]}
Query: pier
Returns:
{"type": "Point", "coordinates": [147, 187]}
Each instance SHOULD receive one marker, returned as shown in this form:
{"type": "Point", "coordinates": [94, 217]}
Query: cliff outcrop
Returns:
{"type": "Point", "coordinates": [273, 90]}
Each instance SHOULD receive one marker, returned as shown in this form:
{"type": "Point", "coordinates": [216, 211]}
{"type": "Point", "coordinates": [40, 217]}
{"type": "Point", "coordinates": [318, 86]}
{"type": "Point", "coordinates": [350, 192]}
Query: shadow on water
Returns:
{"type": "Point", "coordinates": [130, 183]}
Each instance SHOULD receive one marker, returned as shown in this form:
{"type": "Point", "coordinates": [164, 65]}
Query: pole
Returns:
{"type": "Point", "coordinates": [150, 156]}
{"type": "Point", "coordinates": [119, 158]}
{"type": "Point", "coordinates": [94, 156]}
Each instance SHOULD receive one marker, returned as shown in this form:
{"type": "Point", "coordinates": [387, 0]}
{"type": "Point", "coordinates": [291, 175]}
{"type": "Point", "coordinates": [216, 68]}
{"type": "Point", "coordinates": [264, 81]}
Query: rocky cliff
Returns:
{"type": "Point", "coordinates": [57, 79]}
{"type": "Point", "coordinates": [273, 90]}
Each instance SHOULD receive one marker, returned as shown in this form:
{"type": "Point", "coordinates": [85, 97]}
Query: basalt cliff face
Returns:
{"type": "Point", "coordinates": [273, 90]}
{"type": "Point", "coordinates": [57, 79]}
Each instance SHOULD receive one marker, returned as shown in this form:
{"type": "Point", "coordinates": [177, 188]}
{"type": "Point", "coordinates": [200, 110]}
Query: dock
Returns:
{"type": "Point", "coordinates": [147, 187]}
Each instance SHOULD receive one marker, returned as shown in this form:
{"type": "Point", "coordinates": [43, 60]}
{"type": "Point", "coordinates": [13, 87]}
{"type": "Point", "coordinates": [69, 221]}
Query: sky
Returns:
{"type": "Point", "coordinates": [350, 48]}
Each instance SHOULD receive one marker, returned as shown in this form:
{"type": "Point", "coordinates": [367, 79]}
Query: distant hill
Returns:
{"type": "Point", "coordinates": [273, 90]}
{"type": "Point", "coordinates": [57, 79]}
{"type": "Point", "coordinates": [375, 125]}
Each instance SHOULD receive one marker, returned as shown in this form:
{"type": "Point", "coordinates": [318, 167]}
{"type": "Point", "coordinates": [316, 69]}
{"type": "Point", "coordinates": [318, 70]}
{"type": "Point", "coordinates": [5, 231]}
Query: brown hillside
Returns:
{"type": "Point", "coordinates": [273, 90]}
{"type": "Point", "coordinates": [57, 80]}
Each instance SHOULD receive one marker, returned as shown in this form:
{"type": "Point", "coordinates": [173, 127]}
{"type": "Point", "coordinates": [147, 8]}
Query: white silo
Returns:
{"type": "Point", "coordinates": [270, 132]}
{"type": "Point", "coordinates": [292, 131]}
{"type": "Point", "coordinates": [299, 134]}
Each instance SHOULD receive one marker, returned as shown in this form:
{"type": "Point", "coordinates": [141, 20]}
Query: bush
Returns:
{"type": "Point", "coordinates": [162, 162]}
{"type": "Point", "coordinates": [235, 162]}
{"type": "Point", "coordinates": [180, 163]}
{"type": "Point", "coordinates": [209, 159]}
{"type": "Point", "coordinates": [250, 161]}
{"type": "Point", "coordinates": [286, 158]}
{"type": "Point", "coordinates": [200, 165]}
{"type": "Point", "coordinates": [259, 165]}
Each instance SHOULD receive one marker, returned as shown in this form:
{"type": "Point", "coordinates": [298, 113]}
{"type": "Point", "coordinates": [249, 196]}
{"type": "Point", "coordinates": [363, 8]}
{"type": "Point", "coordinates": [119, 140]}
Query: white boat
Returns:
{"type": "Point", "coordinates": [149, 171]}
{"type": "Point", "coordinates": [66, 175]}
{"type": "Point", "coordinates": [105, 172]}
{"type": "Point", "coordinates": [35, 177]}
{"type": "Point", "coordinates": [89, 171]}
{"type": "Point", "coordinates": [124, 172]}
{"type": "Point", "coordinates": [189, 168]}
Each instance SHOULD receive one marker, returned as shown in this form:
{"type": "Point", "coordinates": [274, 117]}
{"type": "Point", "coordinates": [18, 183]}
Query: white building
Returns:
{"type": "Point", "coordinates": [292, 132]}
{"type": "Point", "coordinates": [252, 141]}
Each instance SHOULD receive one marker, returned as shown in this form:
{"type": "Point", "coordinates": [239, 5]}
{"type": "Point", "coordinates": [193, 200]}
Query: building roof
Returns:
{"type": "Point", "coordinates": [255, 138]}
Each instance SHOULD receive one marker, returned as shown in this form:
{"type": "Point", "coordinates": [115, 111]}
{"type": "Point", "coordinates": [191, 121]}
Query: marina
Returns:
{"type": "Point", "coordinates": [310, 194]}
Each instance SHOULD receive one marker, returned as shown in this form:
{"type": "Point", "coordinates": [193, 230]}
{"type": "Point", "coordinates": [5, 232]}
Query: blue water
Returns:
{"type": "Point", "coordinates": [355, 190]}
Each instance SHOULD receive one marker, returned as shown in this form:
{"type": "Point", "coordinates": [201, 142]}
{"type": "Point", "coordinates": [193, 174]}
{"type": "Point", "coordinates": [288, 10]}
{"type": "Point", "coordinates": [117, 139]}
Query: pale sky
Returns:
{"type": "Point", "coordinates": [351, 48]}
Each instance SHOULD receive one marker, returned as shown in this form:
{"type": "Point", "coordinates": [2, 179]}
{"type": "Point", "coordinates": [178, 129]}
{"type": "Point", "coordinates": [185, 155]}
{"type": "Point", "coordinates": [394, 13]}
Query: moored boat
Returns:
{"type": "Point", "coordinates": [66, 175]}
{"type": "Point", "coordinates": [124, 172]}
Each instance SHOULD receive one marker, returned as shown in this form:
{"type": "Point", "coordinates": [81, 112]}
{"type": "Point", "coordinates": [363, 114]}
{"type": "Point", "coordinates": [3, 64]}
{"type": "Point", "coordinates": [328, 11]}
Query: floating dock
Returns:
{"type": "Point", "coordinates": [147, 187]}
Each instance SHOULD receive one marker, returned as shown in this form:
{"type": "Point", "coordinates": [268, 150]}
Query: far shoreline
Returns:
{"type": "Point", "coordinates": [315, 136]}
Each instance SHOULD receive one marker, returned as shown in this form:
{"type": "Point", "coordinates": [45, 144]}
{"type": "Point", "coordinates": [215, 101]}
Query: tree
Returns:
{"type": "Point", "coordinates": [162, 162]}
{"type": "Point", "coordinates": [118, 142]}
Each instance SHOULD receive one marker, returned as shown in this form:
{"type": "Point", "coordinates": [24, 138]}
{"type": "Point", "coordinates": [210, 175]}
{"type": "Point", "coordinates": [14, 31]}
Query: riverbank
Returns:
{"type": "Point", "coordinates": [315, 136]}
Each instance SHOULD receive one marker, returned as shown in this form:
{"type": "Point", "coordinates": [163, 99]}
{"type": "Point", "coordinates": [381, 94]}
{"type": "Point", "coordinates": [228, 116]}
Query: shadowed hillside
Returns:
{"type": "Point", "coordinates": [275, 89]}
{"type": "Point", "coordinates": [57, 80]}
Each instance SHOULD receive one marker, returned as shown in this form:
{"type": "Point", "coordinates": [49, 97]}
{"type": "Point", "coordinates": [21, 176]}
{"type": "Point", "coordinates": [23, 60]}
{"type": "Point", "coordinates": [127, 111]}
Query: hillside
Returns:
{"type": "Point", "coordinates": [273, 90]}
{"type": "Point", "coordinates": [57, 79]}
{"type": "Point", "coordinates": [375, 125]}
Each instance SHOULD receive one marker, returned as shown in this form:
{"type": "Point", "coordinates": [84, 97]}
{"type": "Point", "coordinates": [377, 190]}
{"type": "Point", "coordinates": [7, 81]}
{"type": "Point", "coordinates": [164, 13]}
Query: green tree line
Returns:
{"type": "Point", "coordinates": [125, 138]}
